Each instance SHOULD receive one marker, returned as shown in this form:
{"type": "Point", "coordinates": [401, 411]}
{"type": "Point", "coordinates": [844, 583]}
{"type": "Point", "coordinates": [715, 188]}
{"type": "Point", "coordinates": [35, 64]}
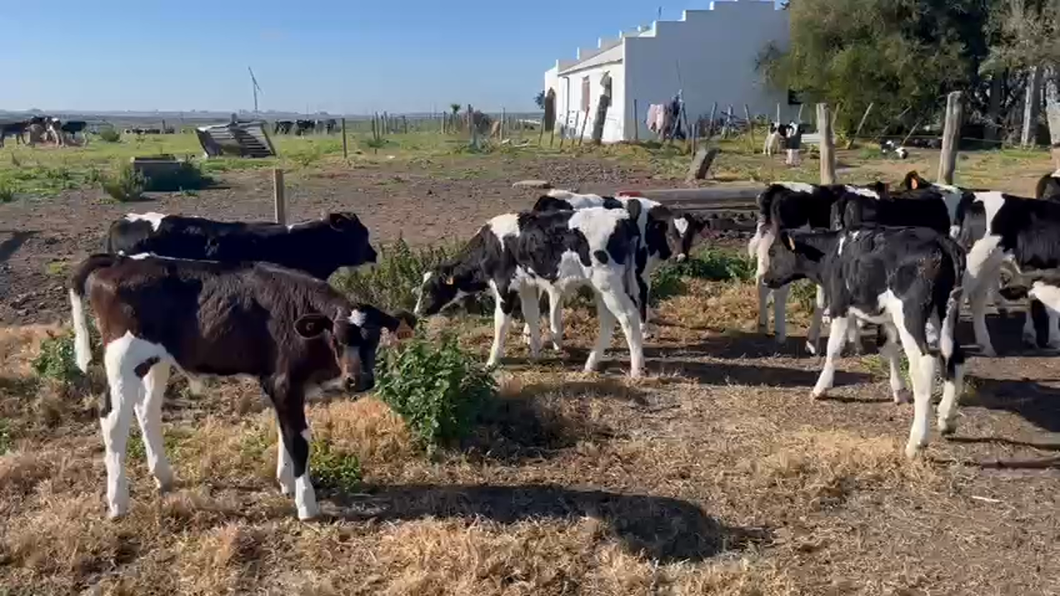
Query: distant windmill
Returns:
{"type": "Point", "coordinates": [257, 88]}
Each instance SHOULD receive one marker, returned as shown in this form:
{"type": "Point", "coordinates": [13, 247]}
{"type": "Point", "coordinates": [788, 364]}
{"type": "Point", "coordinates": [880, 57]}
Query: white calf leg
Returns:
{"type": "Point", "coordinates": [501, 321]}
{"type": "Point", "coordinates": [837, 336]}
{"type": "Point", "coordinates": [149, 413]}
{"type": "Point", "coordinates": [922, 373]}
{"type": "Point", "coordinates": [625, 310]}
{"type": "Point", "coordinates": [763, 302]}
{"type": "Point", "coordinates": [780, 323]}
{"type": "Point", "coordinates": [603, 338]}
{"type": "Point", "coordinates": [891, 350]}
{"type": "Point", "coordinates": [531, 314]}
{"type": "Point", "coordinates": [284, 468]}
{"type": "Point", "coordinates": [555, 319]}
{"type": "Point", "coordinates": [813, 336]}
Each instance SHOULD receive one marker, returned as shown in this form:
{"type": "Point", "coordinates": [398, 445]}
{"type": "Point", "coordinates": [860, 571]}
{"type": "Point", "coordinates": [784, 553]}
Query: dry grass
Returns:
{"type": "Point", "coordinates": [715, 475]}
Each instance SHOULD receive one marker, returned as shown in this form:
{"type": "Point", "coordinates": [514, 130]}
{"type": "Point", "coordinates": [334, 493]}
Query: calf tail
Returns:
{"type": "Point", "coordinates": [952, 354]}
{"type": "Point", "coordinates": [78, 280]}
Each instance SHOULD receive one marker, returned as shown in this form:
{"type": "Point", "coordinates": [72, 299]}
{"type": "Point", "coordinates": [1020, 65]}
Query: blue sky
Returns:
{"type": "Point", "coordinates": [348, 56]}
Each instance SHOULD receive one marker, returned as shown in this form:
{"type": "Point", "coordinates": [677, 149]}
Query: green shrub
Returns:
{"type": "Point", "coordinates": [56, 359]}
{"type": "Point", "coordinates": [397, 275]}
{"type": "Point", "coordinates": [804, 292]}
{"type": "Point", "coordinates": [334, 469]}
{"type": "Point", "coordinates": [125, 186]}
{"type": "Point", "coordinates": [7, 193]}
{"type": "Point", "coordinates": [109, 135]}
{"type": "Point", "coordinates": [438, 389]}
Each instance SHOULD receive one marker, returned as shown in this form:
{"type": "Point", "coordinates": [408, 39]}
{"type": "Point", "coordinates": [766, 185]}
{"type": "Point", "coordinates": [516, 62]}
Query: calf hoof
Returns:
{"type": "Point", "coordinates": [115, 512]}
{"type": "Point", "coordinates": [913, 450]}
{"type": "Point", "coordinates": [164, 481]}
{"type": "Point", "coordinates": [1030, 340]}
{"type": "Point", "coordinates": [811, 348]}
{"type": "Point", "coordinates": [308, 512]}
{"type": "Point", "coordinates": [902, 396]}
{"type": "Point", "coordinates": [988, 352]}
{"type": "Point", "coordinates": [815, 394]}
{"type": "Point", "coordinates": [763, 328]}
{"type": "Point", "coordinates": [557, 347]}
{"type": "Point", "coordinates": [946, 427]}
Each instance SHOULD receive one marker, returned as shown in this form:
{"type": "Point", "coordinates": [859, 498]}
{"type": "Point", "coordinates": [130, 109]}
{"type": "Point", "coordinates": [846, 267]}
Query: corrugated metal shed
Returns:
{"type": "Point", "coordinates": [239, 139]}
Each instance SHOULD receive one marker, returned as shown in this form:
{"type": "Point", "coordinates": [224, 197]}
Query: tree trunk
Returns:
{"type": "Point", "coordinates": [1052, 111]}
{"type": "Point", "coordinates": [993, 127]}
{"type": "Point", "coordinates": [1031, 107]}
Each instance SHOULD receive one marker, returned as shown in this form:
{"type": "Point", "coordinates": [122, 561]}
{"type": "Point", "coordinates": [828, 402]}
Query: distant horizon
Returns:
{"type": "Point", "coordinates": [226, 114]}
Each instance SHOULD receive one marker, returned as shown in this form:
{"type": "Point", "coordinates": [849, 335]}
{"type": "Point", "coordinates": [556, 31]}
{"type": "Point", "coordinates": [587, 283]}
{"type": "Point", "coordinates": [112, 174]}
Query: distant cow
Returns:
{"type": "Point", "coordinates": [282, 127]}
{"type": "Point", "coordinates": [13, 129]}
{"type": "Point", "coordinates": [330, 126]}
{"type": "Point", "coordinates": [304, 127]}
{"type": "Point", "coordinates": [777, 133]}
{"type": "Point", "coordinates": [292, 333]}
{"type": "Point", "coordinates": [318, 247]}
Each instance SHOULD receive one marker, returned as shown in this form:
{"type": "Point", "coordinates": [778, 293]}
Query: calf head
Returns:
{"type": "Point", "coordinates": [687, 230]}
{"type": "Point", "coordinates": [546, 203]}
{"type": "Point", "coordinates": [354, 236]}
{"type": "Point", "coordinates": [354, 339]}
{"type": "Point", "coordinates": [914, 181]}
{"type": "Point", "coordinates": [443, 287]}
{"type": "Point", "coordinates": [789, 260]}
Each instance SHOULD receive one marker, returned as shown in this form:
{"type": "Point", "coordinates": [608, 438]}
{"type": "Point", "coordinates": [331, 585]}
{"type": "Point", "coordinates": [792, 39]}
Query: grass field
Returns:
{"type": "Point", "coordinates": [714, 475]}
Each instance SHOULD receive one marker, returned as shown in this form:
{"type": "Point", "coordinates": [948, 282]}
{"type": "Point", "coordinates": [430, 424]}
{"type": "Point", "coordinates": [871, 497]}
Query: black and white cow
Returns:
{"type": "Point", "coordinates": [282, 127]}
{"type": "Point", "coordinates": [905, 279]}
{"type": "Point", "coordinates": [304, 127]}
{"type": "Point", "coordinates": [789, 206]}
{"type": "Point", "coordinates": [663, 234]}
{"type": "Point", "coordinates": [1049, 187]}
{"type": "Point", "coordinates": [318, 247]}
{"type": "Point", "coordinates": [293, 333]}
{"type": "Point", "coordinates": [517, 254]}
{"type": "Point", "coordinates": [999, 228]}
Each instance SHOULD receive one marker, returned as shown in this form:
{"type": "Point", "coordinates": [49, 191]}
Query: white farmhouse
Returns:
{"type": "Point", "coordinates": [709, 55]}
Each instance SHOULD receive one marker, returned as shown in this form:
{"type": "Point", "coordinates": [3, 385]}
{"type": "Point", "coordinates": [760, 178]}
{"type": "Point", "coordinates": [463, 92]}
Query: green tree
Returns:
{"type": "Point", "coordinates": [897, 54]}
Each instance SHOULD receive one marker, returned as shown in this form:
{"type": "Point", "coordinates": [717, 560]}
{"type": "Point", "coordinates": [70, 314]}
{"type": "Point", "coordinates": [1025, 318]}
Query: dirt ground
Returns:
{"type": "Point", "coordinates": [715, 475]}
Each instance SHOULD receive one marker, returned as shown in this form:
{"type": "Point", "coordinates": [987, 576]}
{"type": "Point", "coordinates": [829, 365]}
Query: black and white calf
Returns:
{"type": "Point", "coordinates": [663, 234]}
{"type": "Point", "coordinates": [777, 133]}
{"type": "Point", "coordinates": [790, 206]}
{"type": "Point", "coordinates": [318, 248]}
{"type": "Point", "coordinates": [1049, 187]}
{"type": "Point", "coordinates": [291, 332]}
{"type": "Point", "coordinates": [517, 254]}
{"type": "Point", "coordinates": [999, 228]}
{"type": "Point", "coordinates": [905, 279]}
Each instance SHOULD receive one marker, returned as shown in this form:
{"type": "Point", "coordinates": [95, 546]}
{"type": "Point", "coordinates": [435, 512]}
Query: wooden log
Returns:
{"type": "Point", "coordinates": [279, 201]}
{"type": "Point", "coordinates": [710, 126]}
{"type": "Point", "coordinates": [585, 121]}
{"type": "Point", "coordinates": [950, 138]}
{"type": "Point", "coordinates": [701, 163]}
{"type": "Point", "coordinates": [861, 123]}
{"type": "Point", "coordinates": [824, 127]}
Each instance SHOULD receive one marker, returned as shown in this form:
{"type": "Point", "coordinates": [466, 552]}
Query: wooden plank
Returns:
{"type": "Point", "coordinates": [948, 161]}
{"type": "Point", "coordinates": [701, 163]}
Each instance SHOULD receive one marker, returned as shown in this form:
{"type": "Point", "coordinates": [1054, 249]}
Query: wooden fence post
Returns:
{"type": "Point", "coordinates": [636, 123]}
{"type": "Point", "coordinates": [345, 150]}
{"type": "Point", "coordinates": [824, 128]}
{"type": "Point", "coordinates": [279, 201]}
{"type": "Point", "coordinates": [713, 114]}
{"type": "Point", "coordinates": [861, 123]}
{"type": "Point", "coordinates": [950, 138]}
{"type": "Point", "coordinates": [750, 125]}
{"type": "Point", "coordinates": [504, 123]}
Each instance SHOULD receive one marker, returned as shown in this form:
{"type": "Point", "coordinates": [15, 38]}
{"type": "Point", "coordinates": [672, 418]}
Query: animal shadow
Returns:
{"type": "Point", "coordinates": [1034, 402]}
{"type": "Point", "coordinates": [661, 528]}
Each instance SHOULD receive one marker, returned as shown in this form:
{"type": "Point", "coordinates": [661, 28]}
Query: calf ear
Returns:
{"type": "Point", "coordinates": [787, 240]}
{"type": "Point", "coordinates": [341, 221]}
{"type": "Point", "coordinates": [310, 326]}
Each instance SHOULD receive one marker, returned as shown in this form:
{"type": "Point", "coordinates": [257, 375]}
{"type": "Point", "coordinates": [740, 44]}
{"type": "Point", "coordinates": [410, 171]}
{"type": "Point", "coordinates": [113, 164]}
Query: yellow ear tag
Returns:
{"type": "Point", "coordinates": [450, 281]}
{"type": "Point", "coordinates": [791, 242]}
{"type": "Point", "coordinates": [913, 184]}
{"type": "Point", "coordinates": [404, 331]}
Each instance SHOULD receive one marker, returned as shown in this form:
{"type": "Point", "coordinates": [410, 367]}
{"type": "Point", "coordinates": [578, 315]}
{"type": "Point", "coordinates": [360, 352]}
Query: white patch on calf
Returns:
{"type": "Point", "coordinates": [358, 318]}
{"type": "Point", "coordinates": [798, 187]}
{"type": "Point", "coordinates": [865, 192]}
{"type": "Point", "coordinates": [82, 347]}
{"type": "Point", "coordinates": [140, 256]}
{"type": "Point", "coordinates": [682, 225]}
{"type": "Point", "coordinates": [505, 225]}
{"type": "Point", "coordinates": [155, 219]}
{"type": "Point", "coordinates": [992, 203]}
{"type": "Point", "coordinates": [842, 241]}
